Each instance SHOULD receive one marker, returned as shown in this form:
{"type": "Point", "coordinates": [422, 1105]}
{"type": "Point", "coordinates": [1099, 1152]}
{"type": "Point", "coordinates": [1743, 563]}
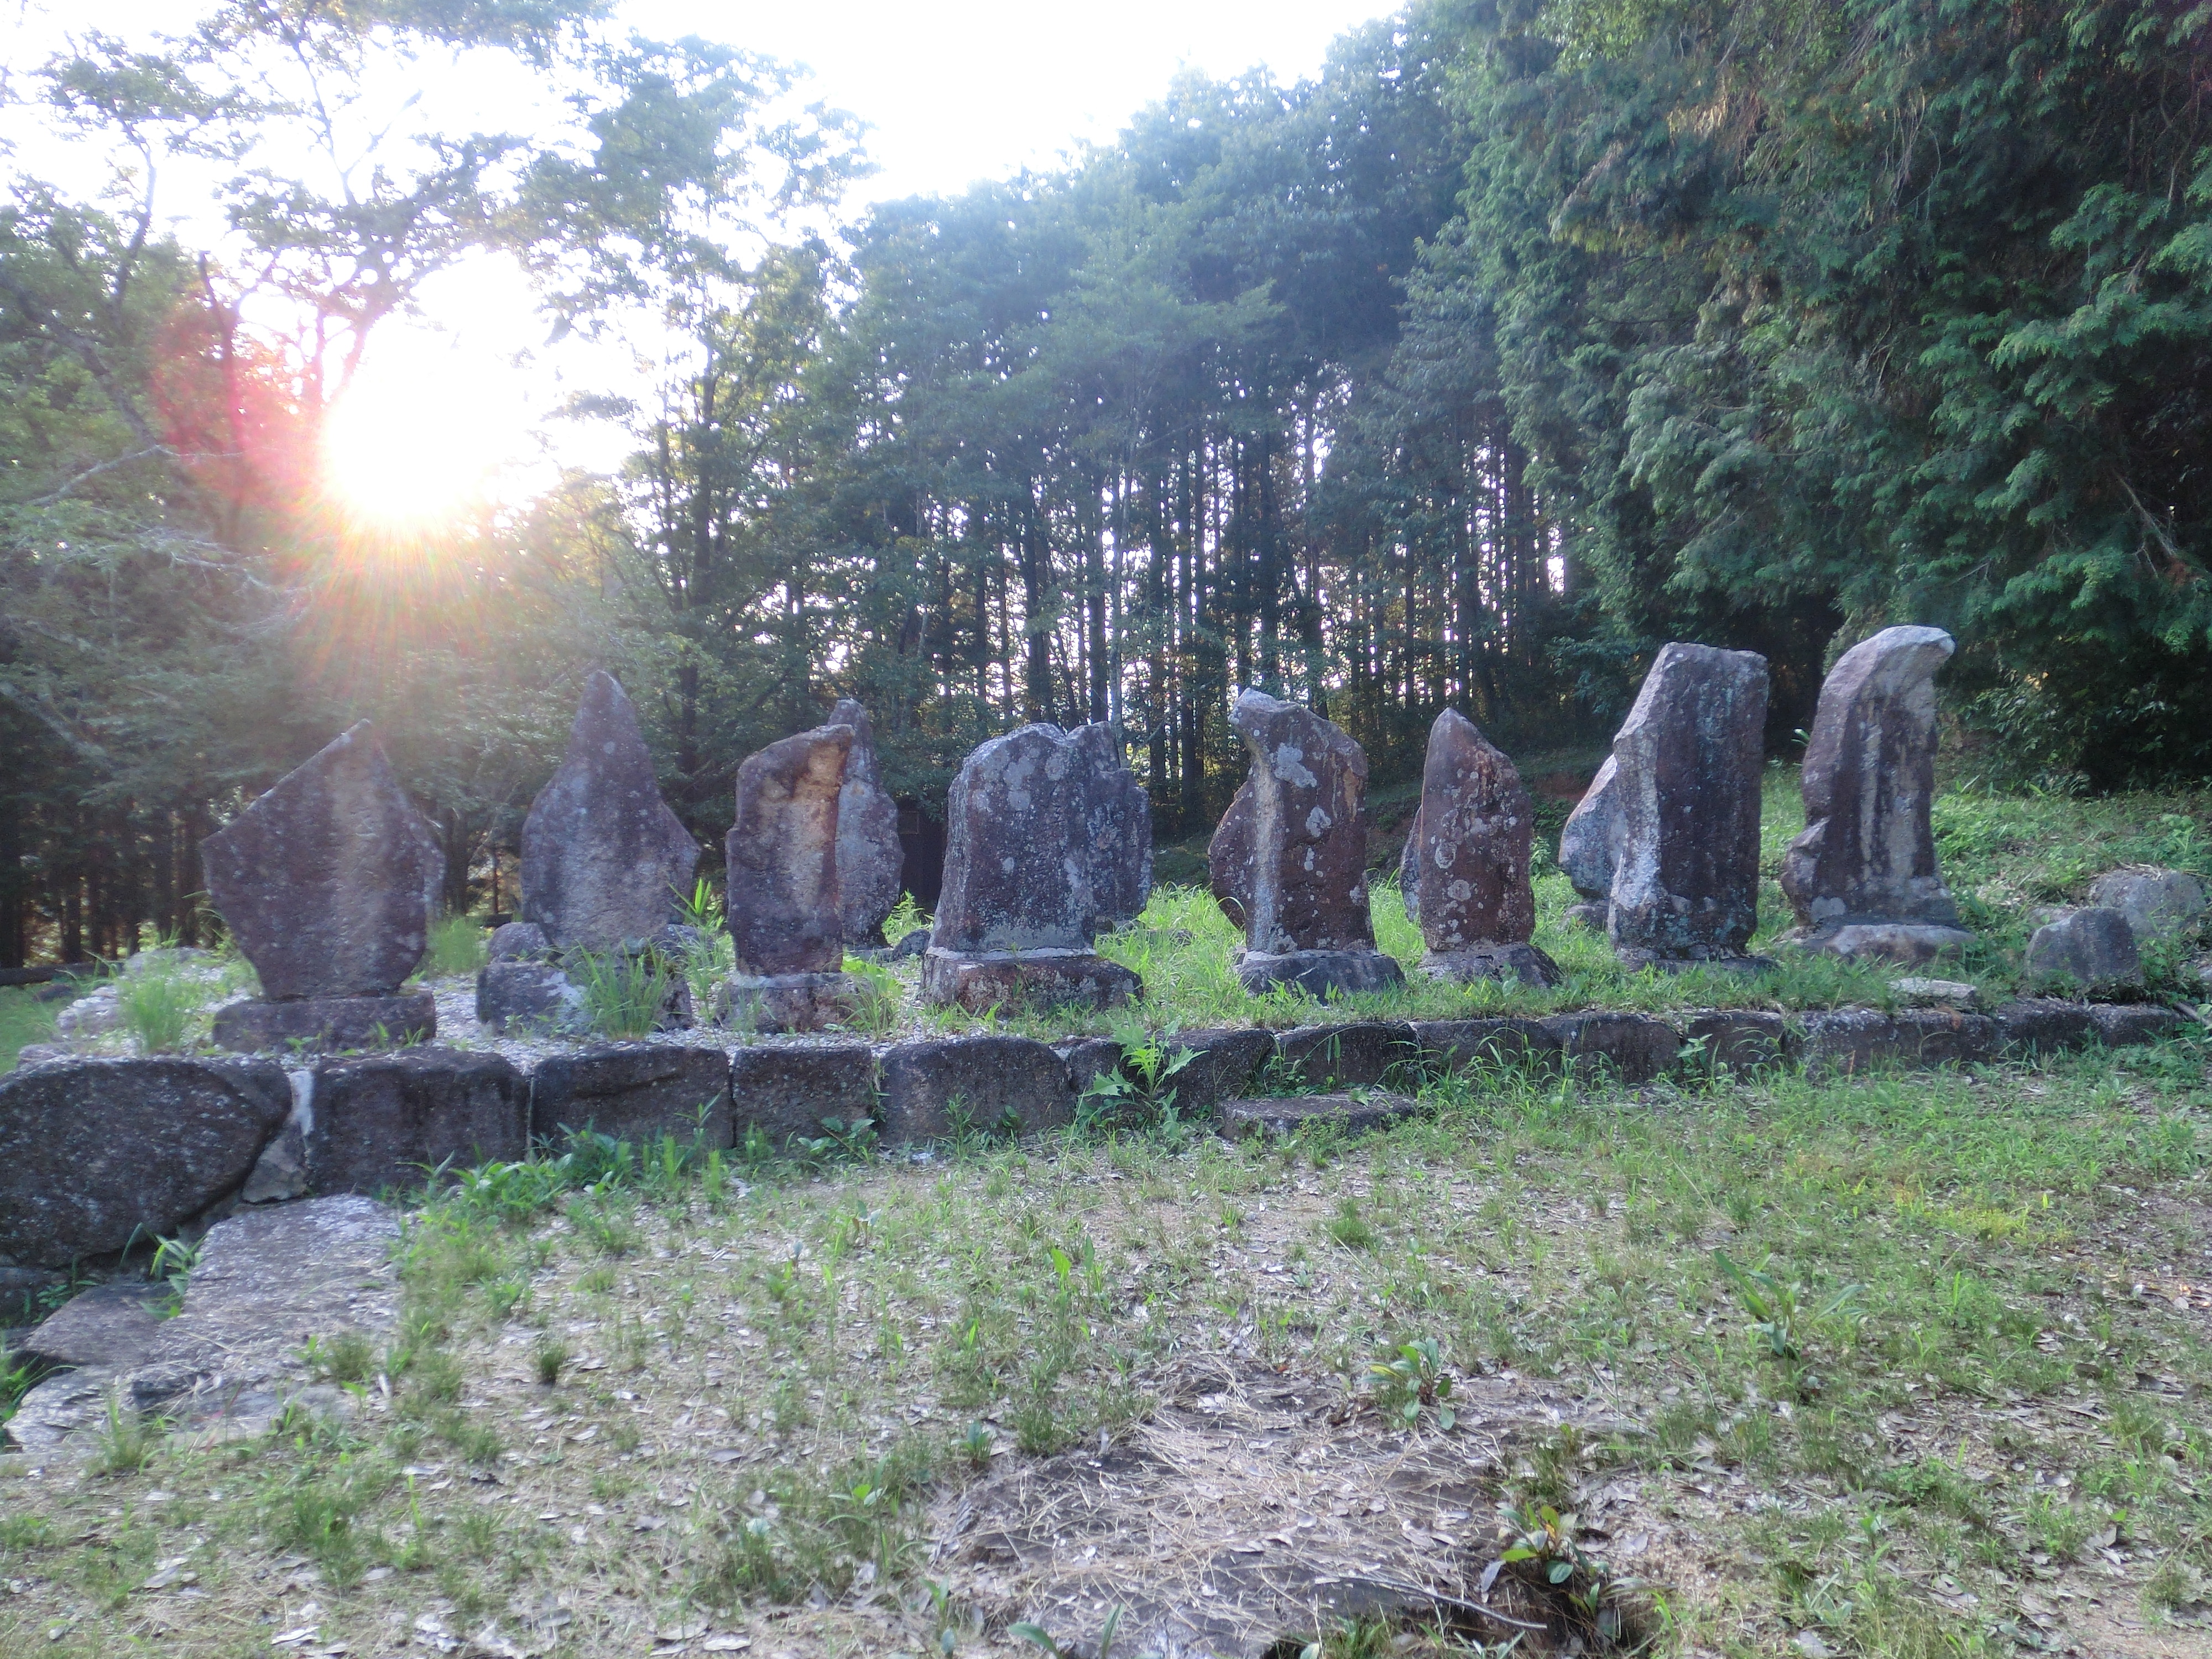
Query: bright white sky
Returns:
{"type": "Point", "coordinates": [953, 92]}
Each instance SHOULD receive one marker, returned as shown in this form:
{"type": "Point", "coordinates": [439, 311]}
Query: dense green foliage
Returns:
{"type": "Point", "coordinates": [1523, 338]}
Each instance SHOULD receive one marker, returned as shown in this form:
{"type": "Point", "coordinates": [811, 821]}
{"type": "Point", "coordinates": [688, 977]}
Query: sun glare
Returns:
{"type": "Point", "coordinates": [422, 437]}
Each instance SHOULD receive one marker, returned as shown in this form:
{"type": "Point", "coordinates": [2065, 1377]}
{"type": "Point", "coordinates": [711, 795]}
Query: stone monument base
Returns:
{"type": "Point", "coordinates": [1589, 914]}
{"type": "Point", "coordinates": [1503, 963]}
{"type": "Point", "coordinates": [321, 1022]}
{"type": "Point", "coordinates": [1318, 972]}
{"type": "Point", "coordinates": [1907, 944]}
{"type": "Point", "coordinates": [1721, 961]}
{"type": "Point", "coordinates": [786, 1002]}
{"type": "Point", "coordinates": [1026, 979]}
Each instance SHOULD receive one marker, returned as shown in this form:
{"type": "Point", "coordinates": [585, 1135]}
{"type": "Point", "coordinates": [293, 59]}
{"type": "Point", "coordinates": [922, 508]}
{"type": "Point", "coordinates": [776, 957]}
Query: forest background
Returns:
{"type": "Point", "coordinates": [1523, 338]}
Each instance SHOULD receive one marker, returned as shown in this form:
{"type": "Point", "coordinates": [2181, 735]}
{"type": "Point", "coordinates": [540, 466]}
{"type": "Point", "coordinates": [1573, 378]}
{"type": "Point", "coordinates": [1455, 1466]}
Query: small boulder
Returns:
{"type": "Point", "coordinates": [2160, 905]}
{"type": "Point", "coordinates": [511, 991]}
{"type": "Point", "coordinates": [112, 1325]}
{"type": "Point", "coordinates": [605, 862]}
{"type": "Point", "coordinates": [2093, 949]}
{"type": "Point", "coordinates": [326, 880]}
{"type": "Point", "coordinates": [518, 941]}
{"type": "Point", "coordinates": [1935, 994]}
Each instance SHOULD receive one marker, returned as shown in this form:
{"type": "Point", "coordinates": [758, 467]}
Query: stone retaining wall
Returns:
{"type": "Point", "coordinates": [96, 1154]}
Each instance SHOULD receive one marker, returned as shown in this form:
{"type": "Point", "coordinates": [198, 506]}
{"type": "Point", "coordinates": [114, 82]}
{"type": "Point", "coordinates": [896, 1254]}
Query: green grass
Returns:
{"type": "Point", "coordinates": [457, 946]}
{"type": "Point", "coordinates": [23, 1019]}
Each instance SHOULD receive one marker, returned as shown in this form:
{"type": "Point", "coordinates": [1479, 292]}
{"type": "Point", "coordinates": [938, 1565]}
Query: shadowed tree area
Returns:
{"type": "Point", "coordinates": [1524, 339]}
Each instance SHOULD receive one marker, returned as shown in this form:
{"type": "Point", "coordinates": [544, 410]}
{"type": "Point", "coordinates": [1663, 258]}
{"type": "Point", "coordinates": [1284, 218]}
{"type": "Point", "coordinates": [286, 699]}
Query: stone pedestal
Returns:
{"type": "Point", "coordinates": [1907, 944]}
{"type": "Point", "coordinates": [1503, 962]}
{"type": "Point", "coordinates": [326, 1023]}
{"type": "Point", "coordinates": [525, 991]}
{"type": "Point", "coordinates": [1027, 979]}
{"type": "Point", "coordinates": [1727, 962]}
{"type": "Point", "coordinates": [786, 1002]}
{"type": "Point", "coordinates": [1319, 973]}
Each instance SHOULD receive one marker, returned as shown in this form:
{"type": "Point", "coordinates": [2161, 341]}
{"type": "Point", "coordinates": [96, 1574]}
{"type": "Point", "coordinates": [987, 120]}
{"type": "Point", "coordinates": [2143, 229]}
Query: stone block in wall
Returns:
{"type": "Point", "coordinates": [635, 1091]}
{"type": "Point", "coordinates": [95, 1152]}
{"type": "Point", "coordinates": [2044, 1025]}
{"type": "Point", "coordinates": [2123, 1025]}
{"type": "Point", "coordinates": [1355, 1056]}
{"type": "Point", "coordinates": [1850, 1040]}
{"type": "Point", "coordinates": [1453, 1045]}
{"type": "Point", "coordinates": [786, 1088]}
{"type": "Point", "coordinates": [1944, 1036]}
{"type": "Point", "coordinates": [1737, 1039]}
{"type": "Point", "coordinates": [986, 1080]}
{"type": "Point", "coordinates": [1635, 1047]}
{"type": "Point", "coordinates": [382, 1122]}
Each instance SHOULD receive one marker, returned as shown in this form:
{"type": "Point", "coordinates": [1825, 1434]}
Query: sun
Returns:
{"type": "Point", "coordinates": [424, 434]}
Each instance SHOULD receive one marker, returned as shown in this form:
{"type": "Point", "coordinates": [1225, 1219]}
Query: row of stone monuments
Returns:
{"type": "Point", "coordinates": [327, 880]}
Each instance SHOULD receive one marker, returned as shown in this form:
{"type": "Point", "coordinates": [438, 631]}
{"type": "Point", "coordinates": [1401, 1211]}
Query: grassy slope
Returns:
{"type": "Point", "coordinates": [23, 1019]}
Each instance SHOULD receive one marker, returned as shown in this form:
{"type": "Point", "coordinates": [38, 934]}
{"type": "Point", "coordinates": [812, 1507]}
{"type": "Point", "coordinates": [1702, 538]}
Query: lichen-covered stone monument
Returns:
{"type": "Point", "coordinates": [325, 882]}
{"type": "Point", "coordinates": [1586, 848]}
{"type": "Point", "coordinates": [1464, 870]}
{"type": "Point", "coordinates": [1863, 877]}
{"type": "Point", "coordinates": [1684, 811]}
{"type": "Point", "coordinates": [1050, 844]}
{"type": "Point", "coordinates": [871, 863]}
{"type": "Point", "coordinates": [782, 898]}
{"type": "Point", "coordinates": [1289, 860]}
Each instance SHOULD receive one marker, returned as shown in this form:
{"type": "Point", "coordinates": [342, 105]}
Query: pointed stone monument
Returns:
{"type": "Point", "coordinates": [1862, 878]}
{"type": "Point", "coordinates": [1050, 845]}
{"type": "Point", "coordinates": [871, 863]}
{"type": "Point", "coordinates": [326, 883]}
{"type": "Point", "coordinates": [783, 886]}
{"type": "Point", "coordinates": [1586, 848]}
{"type": "Point", "coordinates": [1685, 837]}
{"type": "Point", "coordinates": [1465, 873]}
{"type": "Point", "coordinates": [1289, 860]}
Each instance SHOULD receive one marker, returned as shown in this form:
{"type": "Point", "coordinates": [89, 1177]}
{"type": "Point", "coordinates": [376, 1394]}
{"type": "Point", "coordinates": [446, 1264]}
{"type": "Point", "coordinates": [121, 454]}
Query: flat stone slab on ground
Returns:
{"type": "Point", "coordinates": [388, 1121]}
{"type": "Point", "coordinates": [112, 1325]}
{"type": "Point", "coordinates": [94, 1153]}
{"type": "Point", "coordinates": [1285, 1115]}
{"type": "Point", "coordinates": [321, 1023]}
{"type": "Point", "coordinates": [267, 1282]}
{"type": "Point", "coordinates": [635, 1091]}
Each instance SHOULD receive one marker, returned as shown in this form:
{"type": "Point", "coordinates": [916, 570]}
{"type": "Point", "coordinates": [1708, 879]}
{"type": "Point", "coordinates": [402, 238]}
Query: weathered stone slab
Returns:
{"type": "Point", "coordinates": [1289, 860]}
{"type": "Point", "coordinates": [982, 1080]}
{"type": "Point", "coordinates": [783, 856]}
{"type": "Point", "coordinates": [2125, 1024]}
{"type": "Point", "coordinates": [786, 1088]}
{"type": "Point", "coordinates": [512, 991]}
{"type": "Point", "coordinates": [634, 1092]}
{"type": "Point", "coordinates": [1853, 1040]}
{"type": "Point", "coordinates": [326, 881]}
{"type": "Point", "coordinates": [604, 861]}
{"type": "Point", "coordinates": [1348, 1056]}
{"type": "Point", "coordinates": [1454, 1045]}
{"type": "Point", "coordinates": [1586, 841]}
{"type": "Point", "coordinates": [387, 1123]}
{"type": "Point", "coordinates": [1050, 845]}
{"type": "Point", "coordinates": [320, 1024]}
{"type": "Point", "coordinates": [94, 1153]}
{"type": "Point", "coordinates": [269, 1282]}
{"type": "Point", "coordinates": [1686, 830]}
{"type": "Point", "coordinates": [1866, 856]}
{"type": "Point", "coordinates": [1350, 1115]}
{"type": "Point", "coordinates": [1905, 943]}
{"type": "Point", "coordinates": [2092, 949]}
{"type": "Point", "coordinates": [112, 1325]}
{"type": "Point", "coordinates": [2044, 1025]}
{"type": "Point", "coordinates": [2160, 905]}
{"type": "Point", "coordinates": [1465, 870]}
{"type": "Point", "coordinates": [1320, 974]}
{"type": "Point", "coordinates": [1915, 993]}
{"type": "Point", "coordinates": [1736, 1039]}
{"type": "Point", "coordinates": [871, 863]}
{"type": "Point", "coordinates": [1634, 1047]}
{"type": "Point", "coordinates": [1227, 1062]}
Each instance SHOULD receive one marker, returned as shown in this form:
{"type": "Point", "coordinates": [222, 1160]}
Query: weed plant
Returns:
{"type": "Point", "coordinates": [623, 995]}
{"type": "Point", "coordinates": [159, 1006]}
{"type": "Point", "coordinates": [457, 946]}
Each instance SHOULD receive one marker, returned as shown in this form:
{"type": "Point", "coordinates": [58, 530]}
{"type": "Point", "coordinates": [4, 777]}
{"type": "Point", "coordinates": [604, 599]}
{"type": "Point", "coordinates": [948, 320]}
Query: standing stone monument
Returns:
{"type": "Point", "coordinates": [783, 896]}
{"type": "Point", "coordinates": [1051, 843]}
{"type": "Point", "coordinates": [605, 865]}
{"type": "Point", "coordinates": [1465, 873]}
{"type": "Point", "coordinates": [1863, 877]}
{"type": "Point", "coordinates": [1289, 860]}
{"type": "Point", "coordinates": [326, 883]}
{"type": "Point", "coordinates": [870, 861]}
{"type": "Point", "coordinates": [1586, 848]}
{"type": "Point", "coordinates": [1685, 836]}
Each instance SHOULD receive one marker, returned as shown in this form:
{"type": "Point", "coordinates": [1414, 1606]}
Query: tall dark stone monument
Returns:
{"type": "Point", "coordinates": [869, 855]}
{"type": "Point", "coordinates": [326, 883]}
{"type": "Point", "coordinates": [1051, 844]}
{"type": "Point", "coordinates": [783, 896]}
{"type": "Point", "coordinates": [1685, 841]}
{"type": "Point", "coordinates": [1289, 859]}
{"type": "Point", "coordinates": [1465, 873]}
{"type": "Point", "coordinates": [1862, 878]}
